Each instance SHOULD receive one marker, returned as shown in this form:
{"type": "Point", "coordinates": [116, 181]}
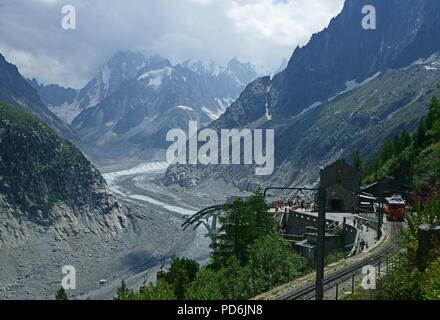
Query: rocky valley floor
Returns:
{"type": "Point", "coordinates": [34, 271]}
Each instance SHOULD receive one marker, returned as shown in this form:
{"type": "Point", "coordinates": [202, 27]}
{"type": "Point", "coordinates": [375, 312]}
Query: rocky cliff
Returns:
{"type": "Point", "coordinates": [16, 90]}
{"type": "Point", "coordinates": [47, 185]}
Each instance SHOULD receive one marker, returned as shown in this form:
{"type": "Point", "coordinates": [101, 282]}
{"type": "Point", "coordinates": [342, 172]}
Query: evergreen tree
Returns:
{"type": "Point", "coordinates": [434, 112]}
{"type": "Point", "coordinates": [123, 293]}
{"type": "Point", "coordinates": [357, 161]}
{"type": "Point", "coordinates": [181, 284]}
{"type": "Point", "coordinates": [205, 286]}
{"type": "Point", "coordinates": [264, 222]}
{"type": "Point", "coordinates": [190, 266]}
{"type": "Point", "coordinates": [237, 231]}
{"type": "Point", "coordinates": [387, 152]}
{"type": "Point", "coordinates": [421, 134]}
{"type": "Point", "coordinates": [272, 263]}
{"type": "Point", "coordinates": [396, 144]}
{"type": "Point", "coordinates": [61, 294]}
{"type": "Point", "coordinates": [161, 291]}
{"type": "Point", "coordinates": [405, 139]}
{"type": "Point", "coordinates": [243, 223]}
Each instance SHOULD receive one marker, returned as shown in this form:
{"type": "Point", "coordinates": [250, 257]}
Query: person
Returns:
{"type": "Point", "coordinates": [354, 222]}
{"type": "Point", "coordinates": [362, 243]}
{"type": "Point", "coordinates": [367, 224]}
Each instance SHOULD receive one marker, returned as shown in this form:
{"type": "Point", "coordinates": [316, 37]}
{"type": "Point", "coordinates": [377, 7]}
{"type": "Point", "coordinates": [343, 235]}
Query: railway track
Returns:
{"type": "Point", "coordinates": [307, 292]}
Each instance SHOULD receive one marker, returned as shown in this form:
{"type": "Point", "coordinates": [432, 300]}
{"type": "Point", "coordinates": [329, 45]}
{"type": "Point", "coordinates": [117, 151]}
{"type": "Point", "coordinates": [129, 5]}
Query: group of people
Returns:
{"type": "Point", "coordinates": [308, 206]}
{"type": "Point", "coordinates": [363, 244]}
{"type": "Point", "coordinates": [358, 223]}
{"type": "Point", "coordinates": [282, 204]}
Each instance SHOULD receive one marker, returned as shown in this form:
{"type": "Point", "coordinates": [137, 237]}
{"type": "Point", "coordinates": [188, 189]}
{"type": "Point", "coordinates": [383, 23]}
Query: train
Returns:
{"type": "Point", "coordinates": [395, 208]}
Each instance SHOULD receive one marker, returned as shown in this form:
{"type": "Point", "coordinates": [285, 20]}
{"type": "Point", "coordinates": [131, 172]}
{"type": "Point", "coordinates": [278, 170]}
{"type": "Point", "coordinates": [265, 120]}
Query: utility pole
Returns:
{"type": "Point", "coordinates": [320, 245]}
{"type": "Point", "coordinates": [380, 218]}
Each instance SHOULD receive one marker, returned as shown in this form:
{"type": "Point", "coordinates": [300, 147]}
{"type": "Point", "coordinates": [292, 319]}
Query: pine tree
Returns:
{"type": "Point", "coordinates": [433, 114]}
{"type": "Point", "coordinates": [396, 144]}
{"type": "Point", "coordinates": [123, 293]}
{"type": "Point", "coordinates": [421, 134]}
{"type": "Point", "coordinates": [181, 284]}
{"type": "Point", "coordinates": [434, 111]}
{"type": "Point", "coordinates": [242, 225]}
{"type": "Point", "coordinates": [61, 294]}
{"type": "Point", "coordinates": [264, 222]}
{"type": "Point", "coordinates": [177, 264]}
{"type": "Point", "coordinates": [405, 139]}
{"type": "Point", "coordinates": [357, 161]}
{"type": "Point", "coordinates": [387, 152]}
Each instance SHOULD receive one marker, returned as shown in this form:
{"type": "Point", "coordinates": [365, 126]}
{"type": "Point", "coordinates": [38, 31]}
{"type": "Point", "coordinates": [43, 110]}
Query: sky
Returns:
{"type": "Point", "coordinates": [260, 31]}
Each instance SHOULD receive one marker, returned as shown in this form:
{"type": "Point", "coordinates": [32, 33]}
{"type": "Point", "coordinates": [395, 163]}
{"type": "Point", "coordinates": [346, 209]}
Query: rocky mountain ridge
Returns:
{"type": "Point", "coordinates": [48, 186]}
{"type": "Point", "coordinates": [133, 121]}
{"type": "Point", "coordinates": [14, 89]}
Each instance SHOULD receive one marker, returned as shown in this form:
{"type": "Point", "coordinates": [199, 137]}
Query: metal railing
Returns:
{"type": "Point", "coordinates": [382, 267]}
{"type": "Point", "coordinates": [293, 237]}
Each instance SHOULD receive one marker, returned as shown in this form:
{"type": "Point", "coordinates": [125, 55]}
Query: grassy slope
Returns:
{"type": "Point", "coordinates": [363, 118]}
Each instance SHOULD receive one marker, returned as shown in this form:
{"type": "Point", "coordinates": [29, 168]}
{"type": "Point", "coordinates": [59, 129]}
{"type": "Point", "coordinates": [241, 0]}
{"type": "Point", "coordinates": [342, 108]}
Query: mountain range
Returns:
{"type": "Point", "coordinates": [347, 88]}
{"type": "Point", "coordinates": [127, 108]}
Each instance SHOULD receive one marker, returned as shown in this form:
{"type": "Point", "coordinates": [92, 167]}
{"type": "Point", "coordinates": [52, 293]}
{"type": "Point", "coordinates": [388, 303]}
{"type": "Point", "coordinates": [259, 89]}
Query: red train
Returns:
{"type": "Point", "coordinates": [395, 208]}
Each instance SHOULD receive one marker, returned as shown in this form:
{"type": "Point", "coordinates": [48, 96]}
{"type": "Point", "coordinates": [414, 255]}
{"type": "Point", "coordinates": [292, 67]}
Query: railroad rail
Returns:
{"type": "Point", "coordinates": [335, 278]}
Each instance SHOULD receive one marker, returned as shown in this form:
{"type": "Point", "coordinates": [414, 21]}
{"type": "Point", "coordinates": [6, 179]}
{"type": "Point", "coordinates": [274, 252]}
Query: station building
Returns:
{"type": "Point", "coordinates": [342, 183]}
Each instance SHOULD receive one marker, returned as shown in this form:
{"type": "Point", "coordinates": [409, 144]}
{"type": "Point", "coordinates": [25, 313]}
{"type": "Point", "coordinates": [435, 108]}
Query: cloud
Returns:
{"type": "Point", "coordinates": [260, 31]}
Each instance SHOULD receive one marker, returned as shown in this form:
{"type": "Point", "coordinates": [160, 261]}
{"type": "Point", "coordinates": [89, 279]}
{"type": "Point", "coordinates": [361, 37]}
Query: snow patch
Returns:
{"type": "Point", "coordinates": [93, 98]}
{"type": "Point", "coordinates": [156, 76]}
{"type": "Point", "coordinates": [268, 116]}
{"type": "Point", "coordinates": [185, 108]}
{"type": "Point", "coordinates": [432, 59]}
{"type": "Point", "coordinates": [352, 84]}
{"type": "Point", "coordinates": [309, 108]}
{"type": "Point", "coordinates": [223, 103]}
{"type": "Point", "coordinates": [105, 77]}
{"type": "Point", "coordinates": [66, 112]}
{"type": "Point", "coordinates": [210, 114]}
